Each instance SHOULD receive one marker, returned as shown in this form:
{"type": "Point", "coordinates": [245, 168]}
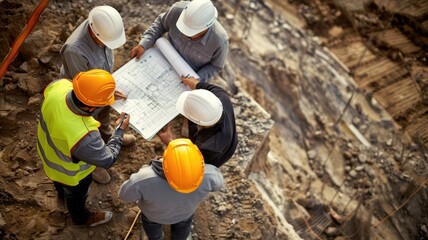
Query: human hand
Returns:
{"type": "Point", "coordinates": [118, 95]}
{"type": "Point", "coordinates": [165, 134]}
{"type": "Point", "coordinates": [122, 121]}
{"type": "Point", "coordinates": [190, 81]}
{"type": "Point", "coordinates": [137, 52]}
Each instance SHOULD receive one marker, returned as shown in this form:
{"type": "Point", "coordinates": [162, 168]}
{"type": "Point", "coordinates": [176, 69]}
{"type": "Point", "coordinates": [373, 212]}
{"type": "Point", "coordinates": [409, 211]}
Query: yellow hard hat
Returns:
{"type": "Point", "coordinates": [183, 165]}
{"type": "Point", "coordinates": [95, 87]}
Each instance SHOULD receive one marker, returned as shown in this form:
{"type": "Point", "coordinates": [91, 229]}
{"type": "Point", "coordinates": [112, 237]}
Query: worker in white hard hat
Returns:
{"type": "Point", "coordinates": [194, 32]}
{"type": "Point", "coordinates": [90, 46]}
{"type": "Point", "coordinates": [212, 125]}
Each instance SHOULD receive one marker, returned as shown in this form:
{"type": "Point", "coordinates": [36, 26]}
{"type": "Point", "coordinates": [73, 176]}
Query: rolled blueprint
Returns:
{"type": "Point", "coordinates": [174, 58]}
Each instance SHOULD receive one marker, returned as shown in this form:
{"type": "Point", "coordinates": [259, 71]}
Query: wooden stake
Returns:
{"type": "Point", "coordinates": [132, 226]}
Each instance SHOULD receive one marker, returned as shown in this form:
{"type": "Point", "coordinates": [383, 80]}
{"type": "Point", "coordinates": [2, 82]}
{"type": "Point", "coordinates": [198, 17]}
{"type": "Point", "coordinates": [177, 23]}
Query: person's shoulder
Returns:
{"type": "Point", "coordinates": [218, 35]}
{"type": "Point", "coordinates": [71, 48]}
{"type": "Point", "coordinates": [216, 90]}
{"type": "Point", "coordinates": [178, 6]}
{"type": "Point", "coordinates": [147, 172]}
{"type": "Point", "coordinates": [220, 31]}
{"type": "Point", "coordinates": [145, 175]}
{"type": "Point", "coordinates": [78, 33]}
{"type": "Point", "coordinates": [212, 170]}
{"type": "Point", "coordinates": [77, 39]}
{"type": "Point", "coordinates": [213, 176]}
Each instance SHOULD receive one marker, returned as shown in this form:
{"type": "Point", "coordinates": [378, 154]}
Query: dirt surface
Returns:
{"type": "Point", "coordinates": [335, 165]}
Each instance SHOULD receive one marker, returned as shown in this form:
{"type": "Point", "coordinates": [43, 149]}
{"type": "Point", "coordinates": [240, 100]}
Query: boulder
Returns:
{"type": "Point", "coordinates": [34, 102]}
{"type": "Point", "coordinates": [29, 84]}
{"type": "Point", "coordinates": [36, 41]}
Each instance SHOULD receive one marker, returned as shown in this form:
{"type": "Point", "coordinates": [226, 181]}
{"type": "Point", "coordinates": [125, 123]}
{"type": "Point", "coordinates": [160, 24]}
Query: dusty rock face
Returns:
{"type": "Point", "coordinates": [336, 136]}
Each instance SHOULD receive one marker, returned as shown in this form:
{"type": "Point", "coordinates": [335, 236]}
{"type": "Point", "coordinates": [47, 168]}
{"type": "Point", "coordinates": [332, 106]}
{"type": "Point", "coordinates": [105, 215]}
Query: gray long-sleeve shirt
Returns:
{"type": "Point", "coordinates": [206, 55]}
{"type": "Point", "coordinates": [162, 204]}
{"type": "Point", "coordinates": [91, 148]}
{"type": "Point", "coordinates": [80, 53]}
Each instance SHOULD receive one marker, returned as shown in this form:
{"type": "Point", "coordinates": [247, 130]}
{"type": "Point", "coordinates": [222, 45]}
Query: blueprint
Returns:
{"type": "Point", "coordinates": [152, 87]}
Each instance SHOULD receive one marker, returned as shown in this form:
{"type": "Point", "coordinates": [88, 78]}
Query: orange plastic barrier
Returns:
{"type": "Point", "coordinates": [32, 21]}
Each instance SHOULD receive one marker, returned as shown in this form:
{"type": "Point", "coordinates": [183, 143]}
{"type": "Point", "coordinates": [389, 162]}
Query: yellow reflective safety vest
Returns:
{"type": "Point", "coordinates": [59, 130]}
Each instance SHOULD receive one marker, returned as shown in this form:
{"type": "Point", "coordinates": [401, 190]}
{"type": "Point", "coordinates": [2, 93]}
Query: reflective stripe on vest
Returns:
{"type": "Point", "coordinates": [59, 130]}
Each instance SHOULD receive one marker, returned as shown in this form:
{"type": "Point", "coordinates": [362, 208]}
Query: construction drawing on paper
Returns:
{"type": "Point", "coordinates": [152, 87]}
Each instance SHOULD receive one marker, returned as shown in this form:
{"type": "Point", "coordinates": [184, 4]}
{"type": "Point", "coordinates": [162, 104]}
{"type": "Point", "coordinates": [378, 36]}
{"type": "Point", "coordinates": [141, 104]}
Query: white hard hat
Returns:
{"type": "Point", "coordinates": [107, 25]}
{"type": "Point", "coordinates": [200, 106]}
{"type": "Point", "coordinates": [197, 16]}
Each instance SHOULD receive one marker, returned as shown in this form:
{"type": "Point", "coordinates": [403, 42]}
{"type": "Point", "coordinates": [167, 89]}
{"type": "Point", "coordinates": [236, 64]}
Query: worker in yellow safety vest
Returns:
{"type": "Point", "coordinates": [69, 143]}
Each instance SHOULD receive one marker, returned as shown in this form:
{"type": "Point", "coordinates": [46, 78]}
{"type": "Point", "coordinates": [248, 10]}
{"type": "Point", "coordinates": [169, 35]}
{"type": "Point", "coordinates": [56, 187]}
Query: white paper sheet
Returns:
{"type": "Point", "coordinates": [152, 87]}
{"type": "Point", "coordinates": [175, 59]}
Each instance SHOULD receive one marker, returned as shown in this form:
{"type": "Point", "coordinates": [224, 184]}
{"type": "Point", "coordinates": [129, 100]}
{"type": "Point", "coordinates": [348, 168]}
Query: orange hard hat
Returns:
{"type": "Point", "coordinates": [183, 165]}
{"type": "Point", "coordinates": [95, 87]}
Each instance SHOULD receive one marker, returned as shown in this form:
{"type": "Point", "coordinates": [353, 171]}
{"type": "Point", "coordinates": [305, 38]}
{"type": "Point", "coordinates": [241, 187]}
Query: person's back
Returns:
{"type": "Point", "coordinates": [218, 142]}
{"type": "Point", "coordinates": [59, 130]}
{"type": "Point", "coordinates": [211, 125]}
{"type": "Point", "coordinates": [161, 203]}
{"type": "Point", "coordinates": [170, 189]}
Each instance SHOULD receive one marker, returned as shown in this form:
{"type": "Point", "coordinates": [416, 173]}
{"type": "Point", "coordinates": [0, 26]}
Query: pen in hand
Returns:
{"type": "Point", "coordinates": [121, 121]}
{"type": "Point", "coordinates": [188, 75]}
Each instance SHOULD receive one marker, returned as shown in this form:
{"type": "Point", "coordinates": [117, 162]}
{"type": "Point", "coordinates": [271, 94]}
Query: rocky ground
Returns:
{"type": "Point", "coordinates": [335, 165]}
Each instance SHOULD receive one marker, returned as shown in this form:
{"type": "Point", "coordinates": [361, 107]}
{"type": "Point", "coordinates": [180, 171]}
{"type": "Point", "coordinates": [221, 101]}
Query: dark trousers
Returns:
{"type": "Point", "coordinates": [179, 231]}
{"type": "Point", "coordinates": [75, 199]}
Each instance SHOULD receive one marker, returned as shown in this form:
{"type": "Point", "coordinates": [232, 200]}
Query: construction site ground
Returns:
{"type": "Point", "coordinates": [331, 113]}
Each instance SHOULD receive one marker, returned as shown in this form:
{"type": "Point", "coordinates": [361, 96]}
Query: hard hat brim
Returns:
{"type": "Point", "coordinates": [116, 43]}
{"type": "Point", "coordinates": [184, 110]}
{"type": "Point", "coordinates": [179, 105]}
{"type": "Point", "coordinates": [111, 101]}
{"type": "Point", "coordinates": [184, 29]}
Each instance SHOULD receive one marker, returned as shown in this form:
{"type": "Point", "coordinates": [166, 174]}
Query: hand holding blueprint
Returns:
{"type": "Point", "coordinates": [152, 86]}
